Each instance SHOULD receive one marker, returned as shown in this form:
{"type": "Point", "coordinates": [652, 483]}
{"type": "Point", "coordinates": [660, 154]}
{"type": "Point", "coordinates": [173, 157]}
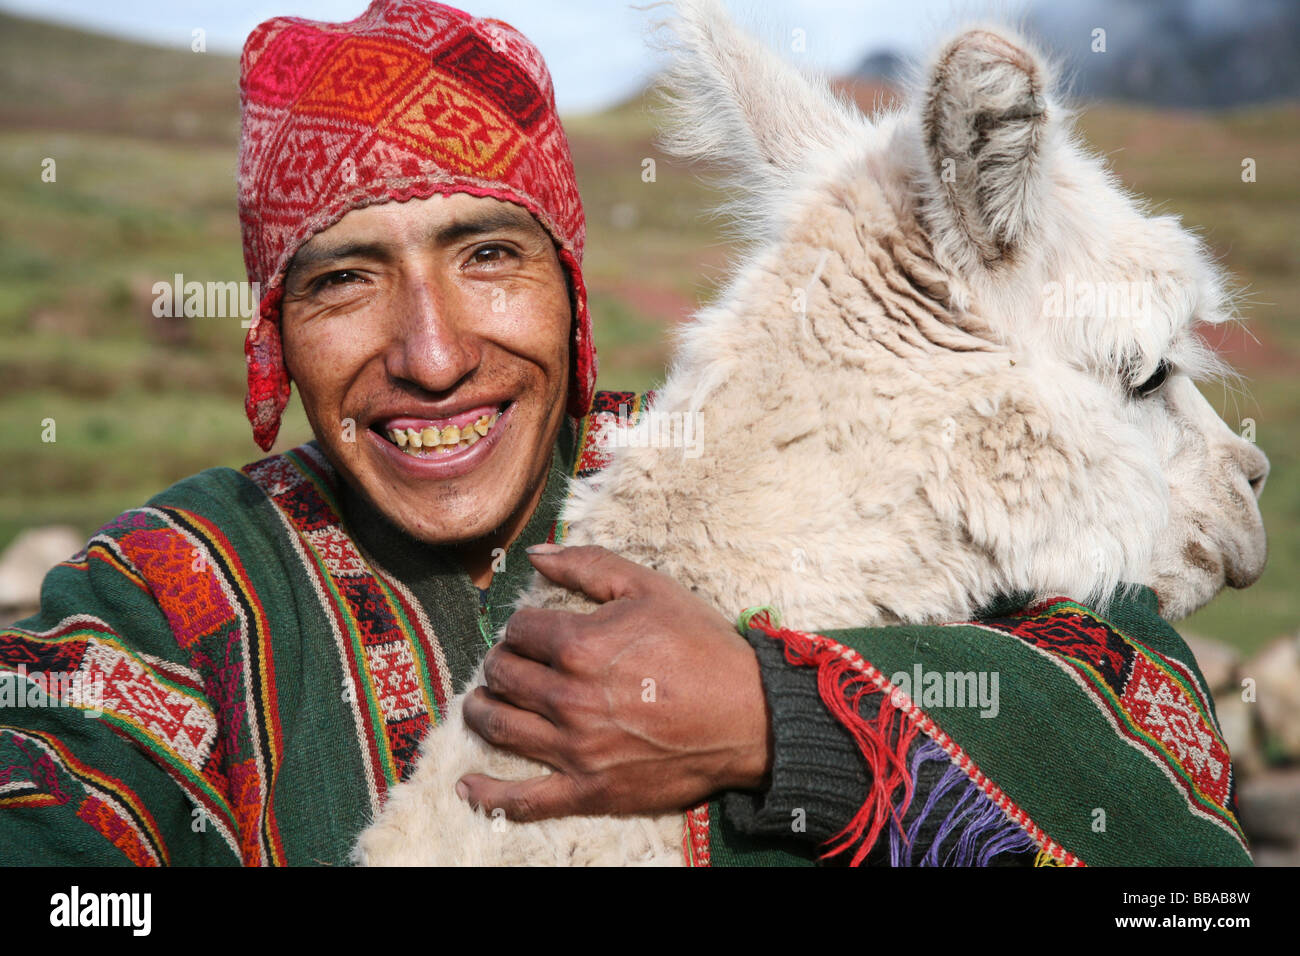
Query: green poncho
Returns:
{"type": "Point", "coordinates": [242, 668]}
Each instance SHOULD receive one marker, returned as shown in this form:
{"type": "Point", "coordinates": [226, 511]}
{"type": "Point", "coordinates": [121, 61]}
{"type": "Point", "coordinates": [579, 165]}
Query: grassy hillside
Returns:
{"type": "Point", "coordinates": [56, 77]}
{"type": "Point", "coordinates": [144, 141]}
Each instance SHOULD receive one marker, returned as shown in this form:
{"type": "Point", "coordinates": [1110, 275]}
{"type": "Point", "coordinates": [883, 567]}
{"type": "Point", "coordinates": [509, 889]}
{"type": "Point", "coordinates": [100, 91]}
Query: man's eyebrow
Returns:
{"type": "Point", "coordinates": [496, 220]}
{"type": "Point", "coordinates": [307, 257]}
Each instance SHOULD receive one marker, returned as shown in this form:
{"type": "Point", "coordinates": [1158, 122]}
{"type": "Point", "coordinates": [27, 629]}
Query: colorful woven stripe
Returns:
{"type": "Point", "coordinates": [1154, 702]}
{"type": "Point", "coordinates": [387, 647]}
{"type": "Point", "coordinates": [31, 764]}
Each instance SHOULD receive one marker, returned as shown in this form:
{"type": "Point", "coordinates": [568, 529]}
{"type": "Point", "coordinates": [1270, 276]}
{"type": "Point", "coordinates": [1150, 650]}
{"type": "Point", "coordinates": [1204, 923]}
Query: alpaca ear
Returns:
{"type": "Point", "coordinates": [733, 101]}
{"type": "Point", "coordinates": [985, 120]}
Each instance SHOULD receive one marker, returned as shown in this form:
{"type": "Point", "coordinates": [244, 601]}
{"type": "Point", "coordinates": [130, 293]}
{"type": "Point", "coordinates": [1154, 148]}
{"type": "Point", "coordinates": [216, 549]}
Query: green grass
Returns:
{"type": "Point", "coordinates": [117, 451]}
{"type": "Point", "coordinates": [1248, 619]}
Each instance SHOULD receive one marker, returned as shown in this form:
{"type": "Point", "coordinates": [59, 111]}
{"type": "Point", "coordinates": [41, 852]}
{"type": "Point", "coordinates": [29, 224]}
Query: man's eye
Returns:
{"type": "Point", "coordinates": [342, 277]}
{"type": "Point", "coordinates": [488, 255]}
{"type": "Point", "coordinates": [1152, 385]}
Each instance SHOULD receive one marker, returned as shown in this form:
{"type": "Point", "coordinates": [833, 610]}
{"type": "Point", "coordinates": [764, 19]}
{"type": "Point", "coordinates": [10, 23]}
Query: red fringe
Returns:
{"type": "Point", "coordinates": [883, 742]}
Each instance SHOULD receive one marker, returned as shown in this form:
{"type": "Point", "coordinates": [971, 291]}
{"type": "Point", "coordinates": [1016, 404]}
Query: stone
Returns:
{"type": "Point", "coordinates": [1237, 722]}
{"type": "Point", "coordinates": [10, 615]}
{"type": "Point", "coordinates": [1276, 673]}
{"type": "Point", "coordinates": [1218, 661]}
{"type": "Point", "coordinates": [1268, 806]}
{"type": "Point", "coordinates": [1269, 854]}
{"type": "Point", "coordinates": [27, 559]}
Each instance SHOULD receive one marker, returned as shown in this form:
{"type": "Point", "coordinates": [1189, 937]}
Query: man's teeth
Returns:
{"type": "Point", "coordinates": [445, 440]}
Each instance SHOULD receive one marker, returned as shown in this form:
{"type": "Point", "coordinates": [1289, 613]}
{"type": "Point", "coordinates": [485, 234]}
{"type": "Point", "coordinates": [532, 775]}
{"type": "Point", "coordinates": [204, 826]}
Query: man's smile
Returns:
{"type": "Point", "coordinates": [456, 444]}
{"type": "Point", "coordinates": [422, 436]}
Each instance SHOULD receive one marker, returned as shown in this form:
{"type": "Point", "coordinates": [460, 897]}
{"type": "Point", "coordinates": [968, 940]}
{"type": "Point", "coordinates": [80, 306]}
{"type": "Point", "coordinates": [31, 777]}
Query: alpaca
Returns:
{"type": "Point", "coordinates": [958, 361]}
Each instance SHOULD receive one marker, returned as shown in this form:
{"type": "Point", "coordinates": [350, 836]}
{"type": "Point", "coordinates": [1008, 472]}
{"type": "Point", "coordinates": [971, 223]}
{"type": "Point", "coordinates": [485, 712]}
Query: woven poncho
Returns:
{"type": "Point", "coordinates": [270, 654]}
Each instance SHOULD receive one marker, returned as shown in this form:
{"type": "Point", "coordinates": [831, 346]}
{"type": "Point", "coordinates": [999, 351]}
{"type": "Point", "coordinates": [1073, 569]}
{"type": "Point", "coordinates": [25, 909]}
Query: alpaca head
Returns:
{"type": "Point", "coordinates": [998, 242]}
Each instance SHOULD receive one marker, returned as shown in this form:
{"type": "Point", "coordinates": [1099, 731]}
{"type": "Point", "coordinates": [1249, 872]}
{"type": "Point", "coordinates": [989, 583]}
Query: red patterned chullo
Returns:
{"type": "Point", "coordinates": [407, 101]}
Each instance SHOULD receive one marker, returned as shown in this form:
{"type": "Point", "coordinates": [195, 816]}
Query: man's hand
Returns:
{"type": "Point", "coordinates": [648, 704]}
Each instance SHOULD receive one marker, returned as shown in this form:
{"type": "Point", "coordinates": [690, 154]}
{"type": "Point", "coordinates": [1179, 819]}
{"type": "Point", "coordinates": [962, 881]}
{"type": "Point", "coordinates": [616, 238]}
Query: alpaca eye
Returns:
{"type": "Point", "coordinates": [1152, 384]}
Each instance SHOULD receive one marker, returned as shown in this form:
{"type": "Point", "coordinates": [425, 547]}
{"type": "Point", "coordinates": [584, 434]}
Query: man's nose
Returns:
{"type": "Point", "coordinates": [435, 343]}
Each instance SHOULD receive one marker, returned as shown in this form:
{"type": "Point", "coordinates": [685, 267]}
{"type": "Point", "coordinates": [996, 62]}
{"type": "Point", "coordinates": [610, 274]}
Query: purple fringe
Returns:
{"type": "Point", "coordinates": [983, 830]}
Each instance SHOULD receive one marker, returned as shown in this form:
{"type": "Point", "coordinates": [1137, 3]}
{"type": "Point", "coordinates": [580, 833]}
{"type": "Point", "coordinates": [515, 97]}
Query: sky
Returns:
{"type": "Point", "coordinates": [596, 49]}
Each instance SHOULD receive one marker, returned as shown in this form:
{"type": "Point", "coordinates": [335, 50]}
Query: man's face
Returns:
{"type": "Point", "coordinates": [432, 318]}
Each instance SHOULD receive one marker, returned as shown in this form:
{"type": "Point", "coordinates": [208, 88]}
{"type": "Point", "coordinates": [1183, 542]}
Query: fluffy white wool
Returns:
{"type": "Point", "coordinates": [895, 387]}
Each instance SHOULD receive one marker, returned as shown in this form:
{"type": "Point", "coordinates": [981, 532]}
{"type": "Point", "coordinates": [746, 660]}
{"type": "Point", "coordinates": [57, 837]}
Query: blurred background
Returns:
{"type": "Point", "coordinates": [137, 103]}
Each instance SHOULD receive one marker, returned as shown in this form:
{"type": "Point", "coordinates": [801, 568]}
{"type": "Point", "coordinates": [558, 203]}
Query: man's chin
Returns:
{"type": "Point", "coordinates": [458, 539]}
{"type": "Point", "coordinates": [443, 525]}
{"type": "Point", "coordinates": [438, 520]}
{"type": "Point", "coordinates": [480, 498]}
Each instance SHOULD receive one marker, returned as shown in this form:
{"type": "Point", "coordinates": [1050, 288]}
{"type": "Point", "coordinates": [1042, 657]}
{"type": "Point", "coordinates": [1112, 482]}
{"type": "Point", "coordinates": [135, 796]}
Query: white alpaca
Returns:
{"type": "Point", "coordinates": [959, 361]}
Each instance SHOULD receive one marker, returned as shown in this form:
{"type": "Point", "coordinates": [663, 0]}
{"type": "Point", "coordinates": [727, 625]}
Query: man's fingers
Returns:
{"type": "Point", "coordinates": [525, 683]}
{"type": "Point", "coordinates": [537, 633]}
{"type": "Point", "coordinates": [597, 572]}
{"type": "Point", "coordinates": [523, 801]}
{"type": "Point", "coordinates": [506, 726]}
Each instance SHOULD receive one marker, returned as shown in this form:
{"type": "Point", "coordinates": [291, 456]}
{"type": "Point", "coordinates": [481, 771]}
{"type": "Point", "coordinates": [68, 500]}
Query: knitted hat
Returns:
{"type": "Point", "coordinates": [409, 100]}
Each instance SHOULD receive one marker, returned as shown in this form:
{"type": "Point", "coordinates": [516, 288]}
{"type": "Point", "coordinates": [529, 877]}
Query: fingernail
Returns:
{"type": "Point", "coordinates": [462, 791]}
{"type": "Point", "coordinates": [544, 548]}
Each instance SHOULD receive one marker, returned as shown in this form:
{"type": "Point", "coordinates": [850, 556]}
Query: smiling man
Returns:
{"type": "Point", "coordinates": [271, 645]}
{"type": "Point", "coordinates": [439, 326]}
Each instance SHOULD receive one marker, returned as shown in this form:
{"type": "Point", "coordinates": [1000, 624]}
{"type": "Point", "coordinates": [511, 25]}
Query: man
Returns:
{"type": "Point", "coordinates": [270, 645]}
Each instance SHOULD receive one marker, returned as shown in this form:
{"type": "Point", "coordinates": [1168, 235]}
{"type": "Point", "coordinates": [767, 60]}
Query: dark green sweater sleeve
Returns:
{"type": "Point", "coordinates": [818, 777]}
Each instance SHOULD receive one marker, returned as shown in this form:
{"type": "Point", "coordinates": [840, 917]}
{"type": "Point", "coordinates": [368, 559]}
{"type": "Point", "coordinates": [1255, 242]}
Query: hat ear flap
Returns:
{"type": "Point", "coordinates": [268, 376]}
{"type": "Point", "coordinates": [582, 357]}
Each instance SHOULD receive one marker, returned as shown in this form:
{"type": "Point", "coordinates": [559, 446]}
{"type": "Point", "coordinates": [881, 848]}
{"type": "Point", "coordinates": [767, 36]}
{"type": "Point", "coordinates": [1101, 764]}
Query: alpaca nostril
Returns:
{"type": "Point", "coordinates": [1254, 464]}
{"type": "Point", "coordinates": [1257, 473]}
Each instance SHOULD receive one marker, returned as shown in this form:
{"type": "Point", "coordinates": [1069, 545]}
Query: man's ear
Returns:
{"type": "Point", "coordinates": [985, 117]}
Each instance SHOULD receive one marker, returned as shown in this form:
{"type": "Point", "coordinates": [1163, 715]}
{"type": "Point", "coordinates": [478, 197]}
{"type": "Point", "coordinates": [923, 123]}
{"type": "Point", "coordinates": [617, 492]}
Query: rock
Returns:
{"type": "Point", "coordinates": [1268, 854]}
{"type": "Point", "coordinates": [1218, 661]}
{"type": "Point", "coordinates": [1269, 806]}
{"type": "Point", "coordinates": [1276, 673]}
{"type": "Point", "coordinates": [1237, 721]}
{"type": "Point", "coordinates": [27, 559]}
